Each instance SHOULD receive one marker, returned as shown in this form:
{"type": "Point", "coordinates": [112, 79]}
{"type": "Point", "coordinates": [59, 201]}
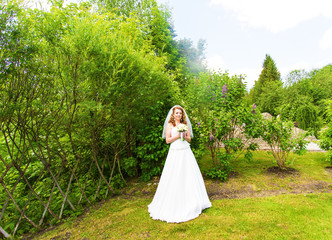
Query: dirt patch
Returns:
{"type": "Point", "coordinates": [140, 189]}
{"type": "Point", "coordinates": [233, 174]}
{"type": "Point", "coordinates": [219, 191]}
{"type": "Point", "coordinates": [329, 169]}
{"type": "Point", "coordinates": [228, 190]}
{"type": "Point", "coordinates": [283, 172]}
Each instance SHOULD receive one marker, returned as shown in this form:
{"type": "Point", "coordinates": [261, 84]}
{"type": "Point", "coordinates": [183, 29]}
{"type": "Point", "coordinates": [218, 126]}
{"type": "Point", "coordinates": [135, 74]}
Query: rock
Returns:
{"type": "Point", "coordinates": [267, 115]}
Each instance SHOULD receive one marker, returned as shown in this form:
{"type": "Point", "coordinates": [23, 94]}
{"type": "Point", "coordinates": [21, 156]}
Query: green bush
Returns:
{"type": "Point", "coordinates": [151, 149]}
{"type": "Point", "coordinates": [222, 169]}
{"type": "Point", "coordinates": [221, 117]}
{"type": "Point", "coordinates": [279, 136]}
{"type": "Point", "coordinates": [326, 134]}
{"type": "Point", "coordinates": [307, 117]}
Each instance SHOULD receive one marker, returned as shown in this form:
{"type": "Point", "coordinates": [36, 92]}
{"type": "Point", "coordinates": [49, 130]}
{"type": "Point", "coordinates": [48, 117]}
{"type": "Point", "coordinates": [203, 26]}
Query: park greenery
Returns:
{"type": "Point", "coordinates": [220, 111]}
{"type": "Point", "coordinates": [84, 91]}
{"type": "Point", "coordinates": [326, 133]}
{"type": "Point", "coordinates": [302, 97]}
{"type": "Point", "coordinates": [236, 211]}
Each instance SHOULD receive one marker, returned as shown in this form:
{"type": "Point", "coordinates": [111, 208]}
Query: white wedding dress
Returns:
{"type": "Point", "coordinates": [181, 194]}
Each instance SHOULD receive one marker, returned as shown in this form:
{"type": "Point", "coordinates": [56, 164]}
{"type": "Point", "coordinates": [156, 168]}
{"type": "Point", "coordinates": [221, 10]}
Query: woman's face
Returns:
{"type": "Point", "coordinates": [178, 114]}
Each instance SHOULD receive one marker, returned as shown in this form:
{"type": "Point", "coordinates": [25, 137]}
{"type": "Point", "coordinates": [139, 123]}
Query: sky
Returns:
{"type": "Point", "coordinates": [297, 34]}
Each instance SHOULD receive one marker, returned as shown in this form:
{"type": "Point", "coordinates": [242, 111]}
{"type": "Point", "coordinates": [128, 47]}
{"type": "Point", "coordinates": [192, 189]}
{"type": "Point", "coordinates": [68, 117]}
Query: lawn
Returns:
{"type": "Point", "coordinates": [253, 204]}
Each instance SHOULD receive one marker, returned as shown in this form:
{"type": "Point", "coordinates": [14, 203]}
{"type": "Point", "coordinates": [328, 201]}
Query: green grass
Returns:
{"type": "Point", "coordinates": [311, 164]}
{"type": "Point", "coordinates": [307, 215]}
{"type": "Point", "coordinates": [278, 217]}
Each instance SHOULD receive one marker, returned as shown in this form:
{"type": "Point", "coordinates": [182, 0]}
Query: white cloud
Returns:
{"type": "Point", "coordinates": [296, 66]}
{"type": "Point", "coordinates": [307, 66]}
{"type": "Point", "coordinates": [215, 63]}
{"type": "Point", "coordinates": [275, 15]}
{"type": "Point", "coordinates": [326, 41]}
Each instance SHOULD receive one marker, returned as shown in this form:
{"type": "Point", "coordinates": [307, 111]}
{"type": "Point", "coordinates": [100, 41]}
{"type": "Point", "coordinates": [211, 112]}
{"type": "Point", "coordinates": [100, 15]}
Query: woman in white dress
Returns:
{"type": "Point", "coordinates": [181, 194]}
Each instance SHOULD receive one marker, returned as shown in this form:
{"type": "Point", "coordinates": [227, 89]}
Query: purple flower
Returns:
{"type": "Point", "coordinates": [224, 90]}
{"type": "Point", "coordinates": [253, 109]}
{"type": "Point", "coordinates": [211, 137]}
{"type": "Point", "coordinates": [198, 124]}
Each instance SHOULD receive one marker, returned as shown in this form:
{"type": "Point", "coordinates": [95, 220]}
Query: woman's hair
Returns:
{"type": "Point", "coordinates": [183, 119]}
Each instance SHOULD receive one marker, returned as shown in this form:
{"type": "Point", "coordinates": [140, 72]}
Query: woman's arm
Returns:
{"type": "Point", "coordinates": [169, 138]}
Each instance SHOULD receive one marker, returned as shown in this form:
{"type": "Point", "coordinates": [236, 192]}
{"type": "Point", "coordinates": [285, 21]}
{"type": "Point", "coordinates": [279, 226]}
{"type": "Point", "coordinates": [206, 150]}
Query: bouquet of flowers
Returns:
{"type": "Point", "coordinates": [182, 128]}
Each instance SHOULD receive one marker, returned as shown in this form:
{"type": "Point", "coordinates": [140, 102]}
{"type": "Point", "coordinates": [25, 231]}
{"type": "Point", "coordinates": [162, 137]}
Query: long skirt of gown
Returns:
{"type": "Point", "coordinates": [181, 194]}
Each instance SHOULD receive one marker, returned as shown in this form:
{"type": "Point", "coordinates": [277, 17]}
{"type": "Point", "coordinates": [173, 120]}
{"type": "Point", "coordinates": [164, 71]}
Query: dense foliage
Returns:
{"type": "Point", "coordinates": [222, 118]}
{"type": "Point", "coordinates": [305, 96]}
{"type": "Point", "coordinates": [278, 135]}
{"type": "Point", "coordinates": [301, 98]}
{"type": "Point", "coordinates": [82, 92]}
{"type": "Point", "coordinates": [266, 91]}
{"type": "Point", "coordinates": [326, 134]}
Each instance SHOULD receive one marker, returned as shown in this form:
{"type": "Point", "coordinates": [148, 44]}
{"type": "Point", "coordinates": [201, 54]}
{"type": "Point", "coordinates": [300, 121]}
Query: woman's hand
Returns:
{"type": "Point", "coordinates": [169, 138]}
{"type": "Point", "coordinates": [187, 136]}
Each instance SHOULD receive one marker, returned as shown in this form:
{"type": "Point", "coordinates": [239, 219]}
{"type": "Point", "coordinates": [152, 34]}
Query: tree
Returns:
{"type": "Point", "coordinates": [295, 77]}
{"type": "Point", "coordinates": [155, 24]}
{"type": "Point", "coordinates": [326, 134]}
{"type": "Point", "coordinates": [268, 82]}
{"type": "Point", "coordinates": [78, 88]}
{"type": "Point", "coordinates": [223, 120]}
{"type": "Point", "coordinates": [279, 136]}
{"type": "Point", "coordinates": [271, 97]}
{"type": "Point", "coordinates": [194, 56]}
{"type": "Point", "coordinates": [304, 97]}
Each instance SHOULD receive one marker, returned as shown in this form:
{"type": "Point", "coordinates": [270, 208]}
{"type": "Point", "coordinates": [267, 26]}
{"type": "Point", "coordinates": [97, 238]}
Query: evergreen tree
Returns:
{"type": "Point", "coordinates": [270, 76]}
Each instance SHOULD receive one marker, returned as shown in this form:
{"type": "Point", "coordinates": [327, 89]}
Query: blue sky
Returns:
{"type": "Point", "coordinates": [297, 34]}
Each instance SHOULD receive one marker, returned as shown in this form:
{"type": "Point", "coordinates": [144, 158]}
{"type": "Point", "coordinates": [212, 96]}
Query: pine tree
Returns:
{"type": "Point", "coordinates": [268, 77]}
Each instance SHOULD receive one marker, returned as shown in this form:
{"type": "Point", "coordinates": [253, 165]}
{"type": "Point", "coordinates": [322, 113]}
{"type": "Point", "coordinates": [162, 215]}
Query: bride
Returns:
{"type": "Point", "coordinates": [181, 194]}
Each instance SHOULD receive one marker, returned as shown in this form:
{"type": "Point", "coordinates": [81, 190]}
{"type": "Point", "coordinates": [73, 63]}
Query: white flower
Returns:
{"type": "Point", "coordinates": [182, 127]}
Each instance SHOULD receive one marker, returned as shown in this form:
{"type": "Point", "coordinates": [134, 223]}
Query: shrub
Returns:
{"type": "Point", "coordinates": [279, 136]}
{"type": "Point", "coordinates": [222, 119]}
{"type": "Point", "coordinates": [221, 169]}
{"type": "Point", "coordinates": [326, 135]}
